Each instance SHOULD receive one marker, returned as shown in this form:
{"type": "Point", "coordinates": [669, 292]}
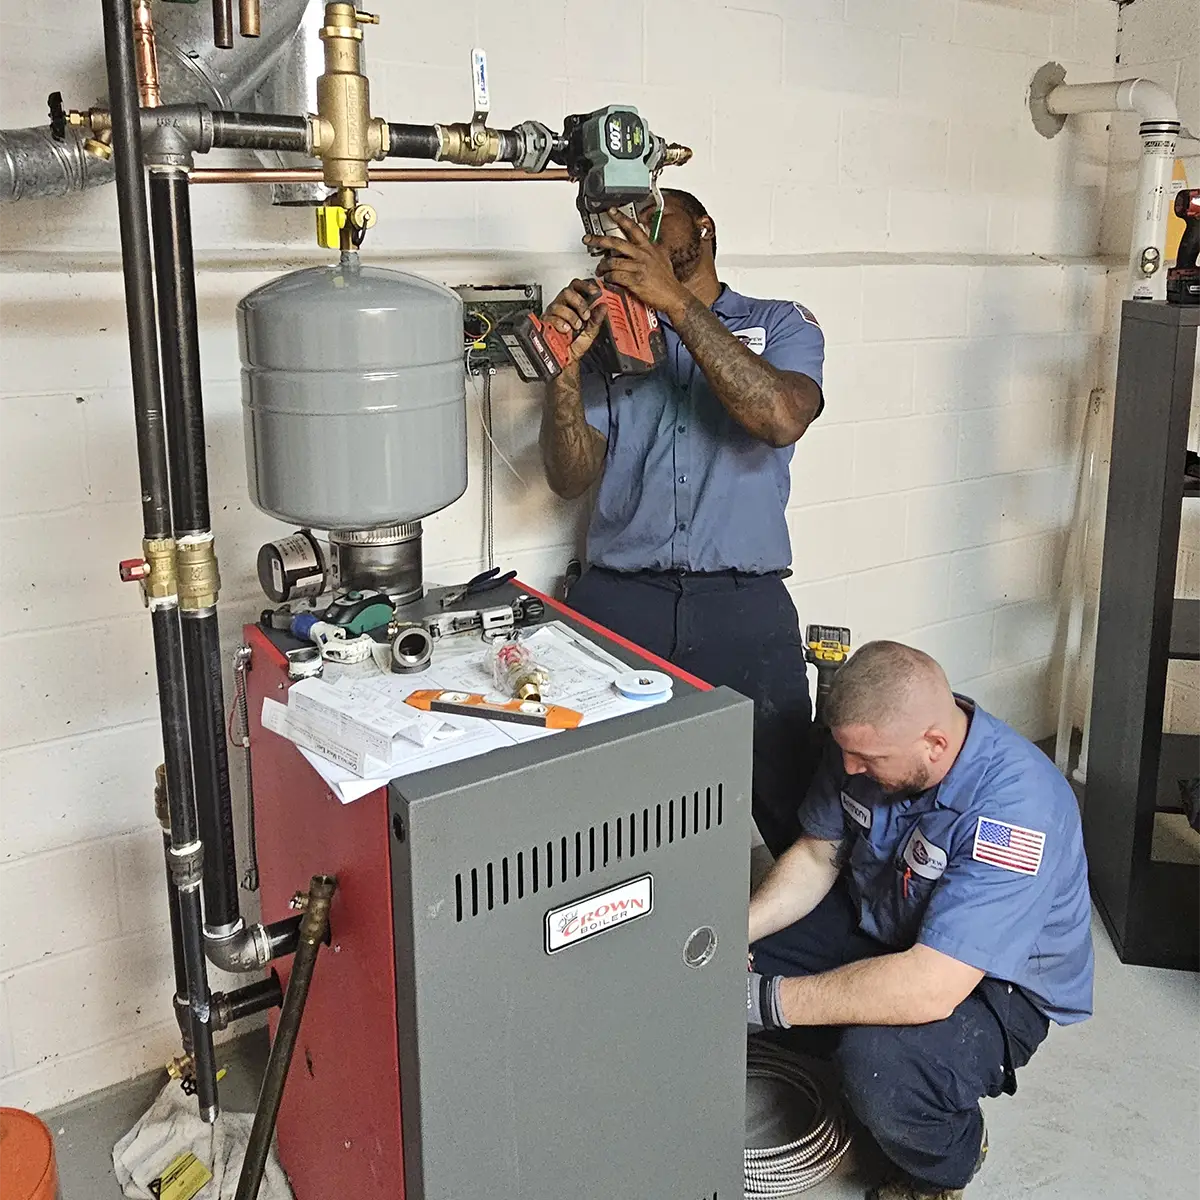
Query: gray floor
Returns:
{"type": "Point", "coordinates": [1107, 1110]}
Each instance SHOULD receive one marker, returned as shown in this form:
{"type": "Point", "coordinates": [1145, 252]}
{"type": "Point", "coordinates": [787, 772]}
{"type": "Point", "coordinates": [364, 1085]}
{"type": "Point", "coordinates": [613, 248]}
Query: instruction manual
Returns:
{"type": "Point", "coordinates": [355, 729]}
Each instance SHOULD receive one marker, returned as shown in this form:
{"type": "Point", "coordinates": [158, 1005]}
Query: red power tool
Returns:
{"type": "Point", "coordinates": [1183, 279]}
{"type": "Point", "coordinates": [615, 158]}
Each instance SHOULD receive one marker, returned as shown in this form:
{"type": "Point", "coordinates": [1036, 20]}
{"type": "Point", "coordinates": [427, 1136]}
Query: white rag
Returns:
{"type": "Point", "coordinates": [171, 1127]}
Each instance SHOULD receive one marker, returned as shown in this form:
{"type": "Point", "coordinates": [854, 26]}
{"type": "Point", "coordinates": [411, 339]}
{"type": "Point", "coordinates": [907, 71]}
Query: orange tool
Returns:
{"type": "Point", "coordinates": [472, 704]}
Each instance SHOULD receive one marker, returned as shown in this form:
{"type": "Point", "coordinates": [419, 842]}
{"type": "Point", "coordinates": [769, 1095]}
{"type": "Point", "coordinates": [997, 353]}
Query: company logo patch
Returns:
{"type": "Point", "coordinates": [923, 857]}
{"type": "Point", "coordinates": [859, 813]}
{"type": "Point", "coordinates": [576, 922]}
{"type": "Point", "coordinates": [755, 340]}
{"type": "Point", "coordinates": [807, 314]}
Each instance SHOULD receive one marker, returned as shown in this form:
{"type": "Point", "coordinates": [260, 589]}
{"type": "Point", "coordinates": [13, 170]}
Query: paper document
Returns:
{"type": "Point", "coordinates": [357, 732]}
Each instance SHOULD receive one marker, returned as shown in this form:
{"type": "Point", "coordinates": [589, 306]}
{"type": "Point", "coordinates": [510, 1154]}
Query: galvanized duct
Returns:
{"type": "Point", "coordinates": [191, 69]}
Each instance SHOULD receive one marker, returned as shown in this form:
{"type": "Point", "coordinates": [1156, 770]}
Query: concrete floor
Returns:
{"type": "Point", "coordinates": [1107, 1110]}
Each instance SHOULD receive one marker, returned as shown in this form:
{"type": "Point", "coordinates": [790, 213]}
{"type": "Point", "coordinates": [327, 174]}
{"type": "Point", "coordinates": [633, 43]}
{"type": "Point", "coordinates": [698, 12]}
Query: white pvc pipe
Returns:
{"type": "Point", "coordinates": [1159, 132]}
{"type": "Point", "coordinates": [1142, 96]}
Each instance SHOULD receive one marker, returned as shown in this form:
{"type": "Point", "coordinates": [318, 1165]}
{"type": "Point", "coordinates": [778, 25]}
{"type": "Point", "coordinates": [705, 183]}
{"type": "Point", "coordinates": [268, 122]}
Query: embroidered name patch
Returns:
{"type": "Point", "coordinates": [859, 813]}
{"type": "Point", "coordinates": [755, 340]}
{"type": "Point", "coordinates": [924, 858]}
{"type": "Point", "coordinates": [1009, 846]}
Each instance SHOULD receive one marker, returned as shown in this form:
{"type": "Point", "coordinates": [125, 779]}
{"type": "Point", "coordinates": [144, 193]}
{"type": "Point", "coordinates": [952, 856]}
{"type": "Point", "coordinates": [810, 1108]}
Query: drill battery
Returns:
{"type": "Point", "coordinates": [538, 350]}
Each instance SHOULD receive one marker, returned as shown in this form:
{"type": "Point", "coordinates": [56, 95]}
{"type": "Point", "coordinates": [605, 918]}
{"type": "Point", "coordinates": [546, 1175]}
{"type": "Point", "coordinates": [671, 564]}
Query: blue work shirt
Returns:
{"type": "Point", "coordinates": [685, 487]}
{"type": "Point", "coordinates": [987, 867]}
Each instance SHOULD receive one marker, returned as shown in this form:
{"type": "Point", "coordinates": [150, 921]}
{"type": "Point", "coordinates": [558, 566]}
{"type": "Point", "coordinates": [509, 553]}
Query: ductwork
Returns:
{"type": "Point", "coordinates": [32, 164]}
{"type": "Point", "coordinates": [191, 70]}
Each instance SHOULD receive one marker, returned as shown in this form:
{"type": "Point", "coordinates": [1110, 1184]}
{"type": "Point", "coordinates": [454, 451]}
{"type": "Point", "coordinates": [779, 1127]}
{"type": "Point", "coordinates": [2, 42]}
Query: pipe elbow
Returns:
{"type": "Point", "coordinates": [1150, 100]}
{"type": "Point", "coordinates": [243, 949]}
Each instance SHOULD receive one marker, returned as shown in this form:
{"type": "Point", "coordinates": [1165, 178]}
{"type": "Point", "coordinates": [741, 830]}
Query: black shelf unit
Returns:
{"type": "Point", "coordinates": [1151, 909]}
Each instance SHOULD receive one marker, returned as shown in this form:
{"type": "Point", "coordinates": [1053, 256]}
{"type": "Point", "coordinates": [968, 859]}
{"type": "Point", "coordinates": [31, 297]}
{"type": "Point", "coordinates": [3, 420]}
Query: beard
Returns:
{"type": "Point", "coordinates": [685, 259]}
{"type": "Point", "coordinates": [913, 784]}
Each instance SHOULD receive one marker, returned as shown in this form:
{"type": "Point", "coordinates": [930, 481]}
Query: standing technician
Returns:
{"type": "Point", "coordinates": [688, 544]}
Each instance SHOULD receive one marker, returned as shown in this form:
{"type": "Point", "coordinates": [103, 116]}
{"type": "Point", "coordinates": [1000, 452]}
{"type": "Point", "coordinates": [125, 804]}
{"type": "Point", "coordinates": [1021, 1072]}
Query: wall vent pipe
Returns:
{"type": "Point", "coordinates": [1051, 101]}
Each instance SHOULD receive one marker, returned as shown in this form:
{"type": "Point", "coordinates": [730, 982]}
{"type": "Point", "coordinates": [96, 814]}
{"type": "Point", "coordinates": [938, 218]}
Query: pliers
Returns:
{"type": "Point", "coordinates": [485, 582]}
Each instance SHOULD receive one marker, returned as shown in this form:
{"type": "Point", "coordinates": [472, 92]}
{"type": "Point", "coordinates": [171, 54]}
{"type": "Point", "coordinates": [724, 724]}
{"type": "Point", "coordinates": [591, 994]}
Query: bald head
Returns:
{"type": "Point", "coordinates": [893, 714]}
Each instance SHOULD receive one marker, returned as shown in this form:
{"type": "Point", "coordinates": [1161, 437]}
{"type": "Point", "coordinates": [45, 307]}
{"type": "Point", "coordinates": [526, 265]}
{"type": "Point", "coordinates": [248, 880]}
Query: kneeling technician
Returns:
{"type": "Point", "coordinates": [935, 913]}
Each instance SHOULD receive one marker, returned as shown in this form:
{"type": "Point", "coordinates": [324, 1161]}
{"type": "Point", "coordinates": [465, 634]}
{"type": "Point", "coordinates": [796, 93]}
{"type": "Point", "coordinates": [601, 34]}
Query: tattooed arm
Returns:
{"type": "Point", "coordinates": [772, 404]}
{"type": "Point", "coordinates": [572, 450]}
{"type": "Point", "coordinates": [776, 406]}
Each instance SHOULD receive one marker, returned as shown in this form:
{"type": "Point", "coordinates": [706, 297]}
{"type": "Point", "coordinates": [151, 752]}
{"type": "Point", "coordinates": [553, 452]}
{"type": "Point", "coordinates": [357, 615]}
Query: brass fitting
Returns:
{"type": "Point", "coordinates": [182, 1067]}
{"type": "Point", "coordinates": [98, 123]}
{"type": "Point", "coordinates": [199, 578]}
{"type": "Point", "coordinates": [675, 155]}
{"type": "Point", "coordinates": [160, 581]}
{"type": "Point", "coordinates": [161, 808]}
{"type": "Point", "coordinates": [472, 145]}
{"type": "Point", "coordinates": [344, 134]}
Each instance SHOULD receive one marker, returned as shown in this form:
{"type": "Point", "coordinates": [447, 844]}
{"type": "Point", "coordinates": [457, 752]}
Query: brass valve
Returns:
{"type": "Point", "coordinates": [345, 137]}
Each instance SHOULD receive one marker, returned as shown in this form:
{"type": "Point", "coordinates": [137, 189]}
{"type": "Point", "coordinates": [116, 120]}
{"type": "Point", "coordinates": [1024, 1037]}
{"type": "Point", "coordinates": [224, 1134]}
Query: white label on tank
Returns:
{"type": "Point", "coordinates": [277, 575]}
{"type": "Point", "coordinates": [576, 922]}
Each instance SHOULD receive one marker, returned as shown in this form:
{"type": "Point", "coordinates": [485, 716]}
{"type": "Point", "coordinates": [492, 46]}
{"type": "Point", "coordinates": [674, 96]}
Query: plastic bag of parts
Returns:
{"type": "Point", "coordinates": [515, 671]}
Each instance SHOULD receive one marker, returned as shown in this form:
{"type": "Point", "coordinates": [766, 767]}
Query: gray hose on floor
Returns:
{"type": "Point", "coordinates": [801, 1164]}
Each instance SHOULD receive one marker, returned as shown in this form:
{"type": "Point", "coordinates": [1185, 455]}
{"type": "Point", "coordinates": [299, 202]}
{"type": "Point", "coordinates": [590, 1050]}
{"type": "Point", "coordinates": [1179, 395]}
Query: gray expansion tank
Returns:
{"type": "Point", "coordinates": [354, 396]}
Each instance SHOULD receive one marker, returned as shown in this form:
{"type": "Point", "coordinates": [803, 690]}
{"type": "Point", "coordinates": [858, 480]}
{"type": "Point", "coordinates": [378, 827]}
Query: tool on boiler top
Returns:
{"type": "Point", "coordinates": [488, 621]}
{"type": "Point", "coordinates": [520, 712]}
{"type": "Point", "coordinates": [644, 685]}
{"type": "Point", "coordinates": [1183, 279]}
{"type": "Point", "coordinates": [826, 647]}
{"type": "Point", "coordinates": [484, 582]}
{"type": "Point", "coordinates": [359, 612]}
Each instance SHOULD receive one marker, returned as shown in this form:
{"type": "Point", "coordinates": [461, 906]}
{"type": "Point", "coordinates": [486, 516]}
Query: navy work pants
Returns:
{"type": "Point", "coordinates": [732, 630]}
{"type": "Point", "coordinates": [915, 1087]}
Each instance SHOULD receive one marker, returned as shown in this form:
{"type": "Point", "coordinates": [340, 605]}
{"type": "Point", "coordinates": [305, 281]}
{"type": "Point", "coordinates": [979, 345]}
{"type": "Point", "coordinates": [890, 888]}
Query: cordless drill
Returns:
{"type": "Point", "coordinates": [1183, 279]}
{"type": "Point", "coordinates": [827, 647]}
{"type": "Point", "coordinates": [614, 157]}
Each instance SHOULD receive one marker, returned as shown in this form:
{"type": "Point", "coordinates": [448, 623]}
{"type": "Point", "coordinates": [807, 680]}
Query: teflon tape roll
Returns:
{"type": "Point", "coordinates": [643, 685]}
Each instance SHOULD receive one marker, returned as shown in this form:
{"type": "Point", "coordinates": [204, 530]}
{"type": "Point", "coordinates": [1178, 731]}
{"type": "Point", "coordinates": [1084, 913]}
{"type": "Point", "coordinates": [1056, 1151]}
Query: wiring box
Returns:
{"type": "Point", "coordinates": [485, 307]}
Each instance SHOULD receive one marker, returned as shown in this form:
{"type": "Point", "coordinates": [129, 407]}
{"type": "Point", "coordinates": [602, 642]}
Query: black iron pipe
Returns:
{"type": "Point", "coordinates": [260, 131]}
{"type": "Point", "coordinates": [413, 141]}
{"type": "Point", "coordinates": [176, 922]}
{"type": "Point", "coordinates": [175, 276]}
{"type": "Point", "coordinates": [283, 936]}
{"type": "Point", "coordinates": [314, 926]}
{"type": "Point", "coordinates": [136, 267]}
{"type": "Point", "coordinates": [222, 11]}
{"type": "Point", "coordinates": [246, 1001]}
{"type": "Point", "coordinates": [156, 517]}
{"type": "Point", "coordinates": [210, 765]}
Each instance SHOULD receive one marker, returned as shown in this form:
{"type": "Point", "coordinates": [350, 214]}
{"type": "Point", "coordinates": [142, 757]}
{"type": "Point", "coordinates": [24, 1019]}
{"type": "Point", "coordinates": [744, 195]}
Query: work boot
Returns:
{"type": "Point", "coordinates": [902, 1186]}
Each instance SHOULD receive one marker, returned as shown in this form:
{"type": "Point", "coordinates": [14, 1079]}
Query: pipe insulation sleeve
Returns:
{"type": "Point", "coordinates": [803, 1162]}
{"type": "Point", "coordinates": [33, 163]}
{"type": "Point", "coordinates": [1142, 96]}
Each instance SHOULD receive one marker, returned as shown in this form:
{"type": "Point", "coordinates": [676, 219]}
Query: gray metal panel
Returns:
{"type": "Point", "coordinates": [609, 1070]}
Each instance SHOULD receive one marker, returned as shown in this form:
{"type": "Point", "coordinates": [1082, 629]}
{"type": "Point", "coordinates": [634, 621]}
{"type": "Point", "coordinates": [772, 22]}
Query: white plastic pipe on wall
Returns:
{"type": "Point", "coordinates": [1159, 132]}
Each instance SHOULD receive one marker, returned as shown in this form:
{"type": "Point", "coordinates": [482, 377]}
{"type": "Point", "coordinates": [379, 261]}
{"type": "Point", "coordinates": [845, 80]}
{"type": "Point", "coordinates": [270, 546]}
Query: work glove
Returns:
{"type": "Point", "coordinates": [764, 1007]}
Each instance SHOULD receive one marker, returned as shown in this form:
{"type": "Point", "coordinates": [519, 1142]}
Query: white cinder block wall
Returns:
{"type": "Point", "coordinates": [874, 161]}
{"type": "Point", "coordinates": [1160, 41]}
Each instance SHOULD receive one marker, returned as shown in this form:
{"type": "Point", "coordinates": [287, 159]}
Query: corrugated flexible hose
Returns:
{"type": "Point", "coordinates": [803, 1162]}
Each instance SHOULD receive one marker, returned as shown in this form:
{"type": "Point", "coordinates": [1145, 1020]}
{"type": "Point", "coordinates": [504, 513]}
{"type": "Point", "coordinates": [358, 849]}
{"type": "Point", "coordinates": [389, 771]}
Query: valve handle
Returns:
{"type": "Point", "coordinates": [58, 117]}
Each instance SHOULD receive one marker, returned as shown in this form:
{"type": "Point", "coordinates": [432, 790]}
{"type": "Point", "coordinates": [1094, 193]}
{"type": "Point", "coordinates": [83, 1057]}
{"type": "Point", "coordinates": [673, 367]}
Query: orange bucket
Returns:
{"type": "Point", "coordinates": [27, 1170]}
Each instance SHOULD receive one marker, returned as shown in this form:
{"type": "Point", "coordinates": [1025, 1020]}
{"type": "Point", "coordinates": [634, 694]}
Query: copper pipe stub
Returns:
{"type": "Point", "coordinates": [145, 55]}
{"type": "Point", "coordinates": [249, 23]}
{"type": "Point", "coordinates": [377, 175]}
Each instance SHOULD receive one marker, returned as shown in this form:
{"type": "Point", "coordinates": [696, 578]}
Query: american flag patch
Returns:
{"type": "Point", "coordinates": [1008, 846]}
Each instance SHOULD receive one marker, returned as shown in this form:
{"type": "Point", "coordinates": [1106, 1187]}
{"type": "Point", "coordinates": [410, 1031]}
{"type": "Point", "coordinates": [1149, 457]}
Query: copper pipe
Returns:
{"type": "Point", "coordinates": [145, 55]}
{"type": "Point", "coordinates": [249, 24]}
{"type": "Point", "coordinates": [377, 175]}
